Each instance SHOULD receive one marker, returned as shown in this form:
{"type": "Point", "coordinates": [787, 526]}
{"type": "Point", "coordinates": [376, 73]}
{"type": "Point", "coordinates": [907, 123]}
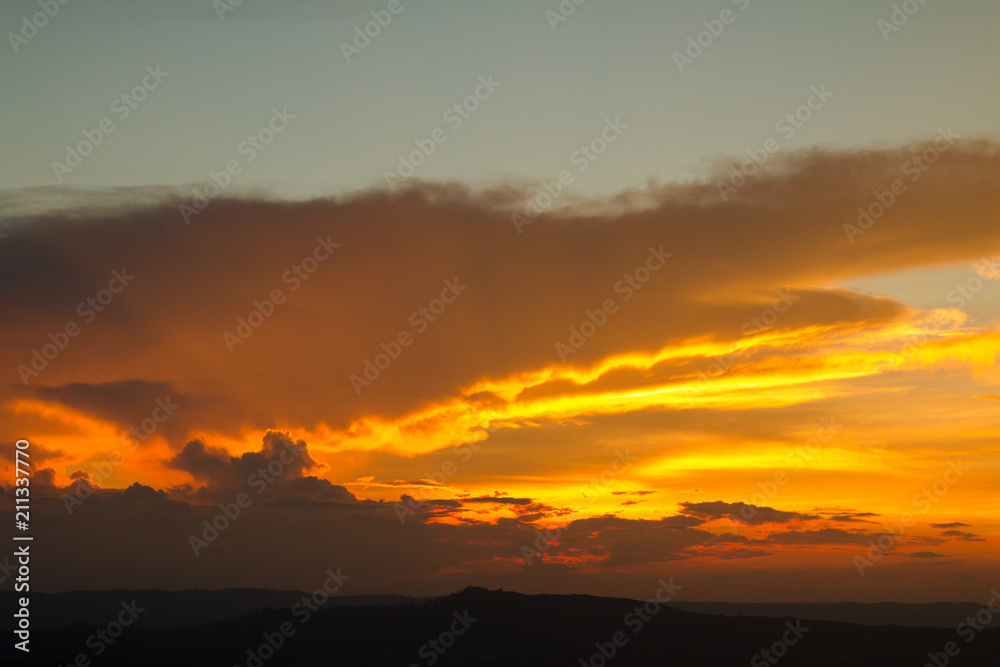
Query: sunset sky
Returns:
{"type": "Point", "coordinates": [729, 316]}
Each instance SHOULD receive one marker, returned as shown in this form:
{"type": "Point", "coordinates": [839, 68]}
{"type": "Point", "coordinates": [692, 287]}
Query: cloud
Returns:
{"type": "Point", "coordinates": [524, 291]}
{"type": "Point", "coordinates": [988, 268]}
{"type": "Point", "coordinates": [309, 524]}
{"type": "Point", "coordinates": [498, 500]}
{"type": "Point", "coordinates": [392, 483]}
{"type": "Point", "coordinates": [614, 541]}
{"type": "Point", "coordinates": [742, 512]}
{"type": "Point", "coordinates": [731, 553]}
{"type": "Point", "coordinates": [141, 493]}
{"type": "Point", "coordinates": [483, 374]}
{"type": "Point", "coordinates": [925, 554]}
{"type": "Point", "coordinates": [923, 540]}
{"type": "Point", "coordinates": [39, 452]}
{"type": "Point", "coordinates": [816, 537]}
{"type": "Point", "coordinates": [280, 461]}
{"type": "Point", "coordinates": [965, 537]}
{"type": "Point", "coordinates": [126, 403]}
{"type": "Point", "coordinates": [955, 524]}
{"type": "Point", "coordinates": [851, 517]}
{"type": "Point", "coordinates": [302, 523]}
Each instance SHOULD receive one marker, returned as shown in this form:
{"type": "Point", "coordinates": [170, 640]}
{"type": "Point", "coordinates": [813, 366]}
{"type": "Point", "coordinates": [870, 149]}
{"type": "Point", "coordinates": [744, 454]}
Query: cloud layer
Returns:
{"type": "Point", "coordinates": [497, 381]}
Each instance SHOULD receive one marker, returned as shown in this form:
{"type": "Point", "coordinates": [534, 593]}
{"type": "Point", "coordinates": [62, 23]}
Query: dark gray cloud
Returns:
{"type": "Point", "coordinates": [139, 407]}
{"type": "Point", "coordinates": [301, 524]}
{"type": "Point", "coordinates": [961, 535]}
{"type": "Point", "coordinates": [817, 537]}
{"type": "Point", "coordinates": [742, 512]}
{"type": "Point", "coordinates": [852, 517]}
{"type": "Point", "coordinates": [498, 500]}
{"type": "Point", "coordinates": [39, 452]}
{"type": "Point", "coordinates": [629, 541]}
{"type": "Point", "coordinates": [280, 462]}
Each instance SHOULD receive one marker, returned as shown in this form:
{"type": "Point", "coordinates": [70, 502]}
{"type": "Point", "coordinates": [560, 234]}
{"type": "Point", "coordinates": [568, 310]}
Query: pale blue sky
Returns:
{"type": "Point", "coordinates": [557, 87]}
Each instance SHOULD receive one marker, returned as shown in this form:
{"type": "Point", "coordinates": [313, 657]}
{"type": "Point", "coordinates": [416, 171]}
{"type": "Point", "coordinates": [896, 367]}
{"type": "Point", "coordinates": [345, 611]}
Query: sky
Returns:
{"type": "Point", "coordinates": [505, 295]}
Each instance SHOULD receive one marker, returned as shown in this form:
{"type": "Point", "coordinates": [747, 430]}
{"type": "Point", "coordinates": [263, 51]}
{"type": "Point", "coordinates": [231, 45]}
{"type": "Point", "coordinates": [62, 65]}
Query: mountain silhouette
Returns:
{"type": "Point", "coordinates": [476, 626]}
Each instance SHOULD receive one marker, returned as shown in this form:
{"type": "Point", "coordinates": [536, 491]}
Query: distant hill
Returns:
{"type": "Point", "coordinates": [926, 615]}
{"type": "Point", "coordinates": [503, 629]}
{"type": "Point", "coordinates": [167, 609]}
